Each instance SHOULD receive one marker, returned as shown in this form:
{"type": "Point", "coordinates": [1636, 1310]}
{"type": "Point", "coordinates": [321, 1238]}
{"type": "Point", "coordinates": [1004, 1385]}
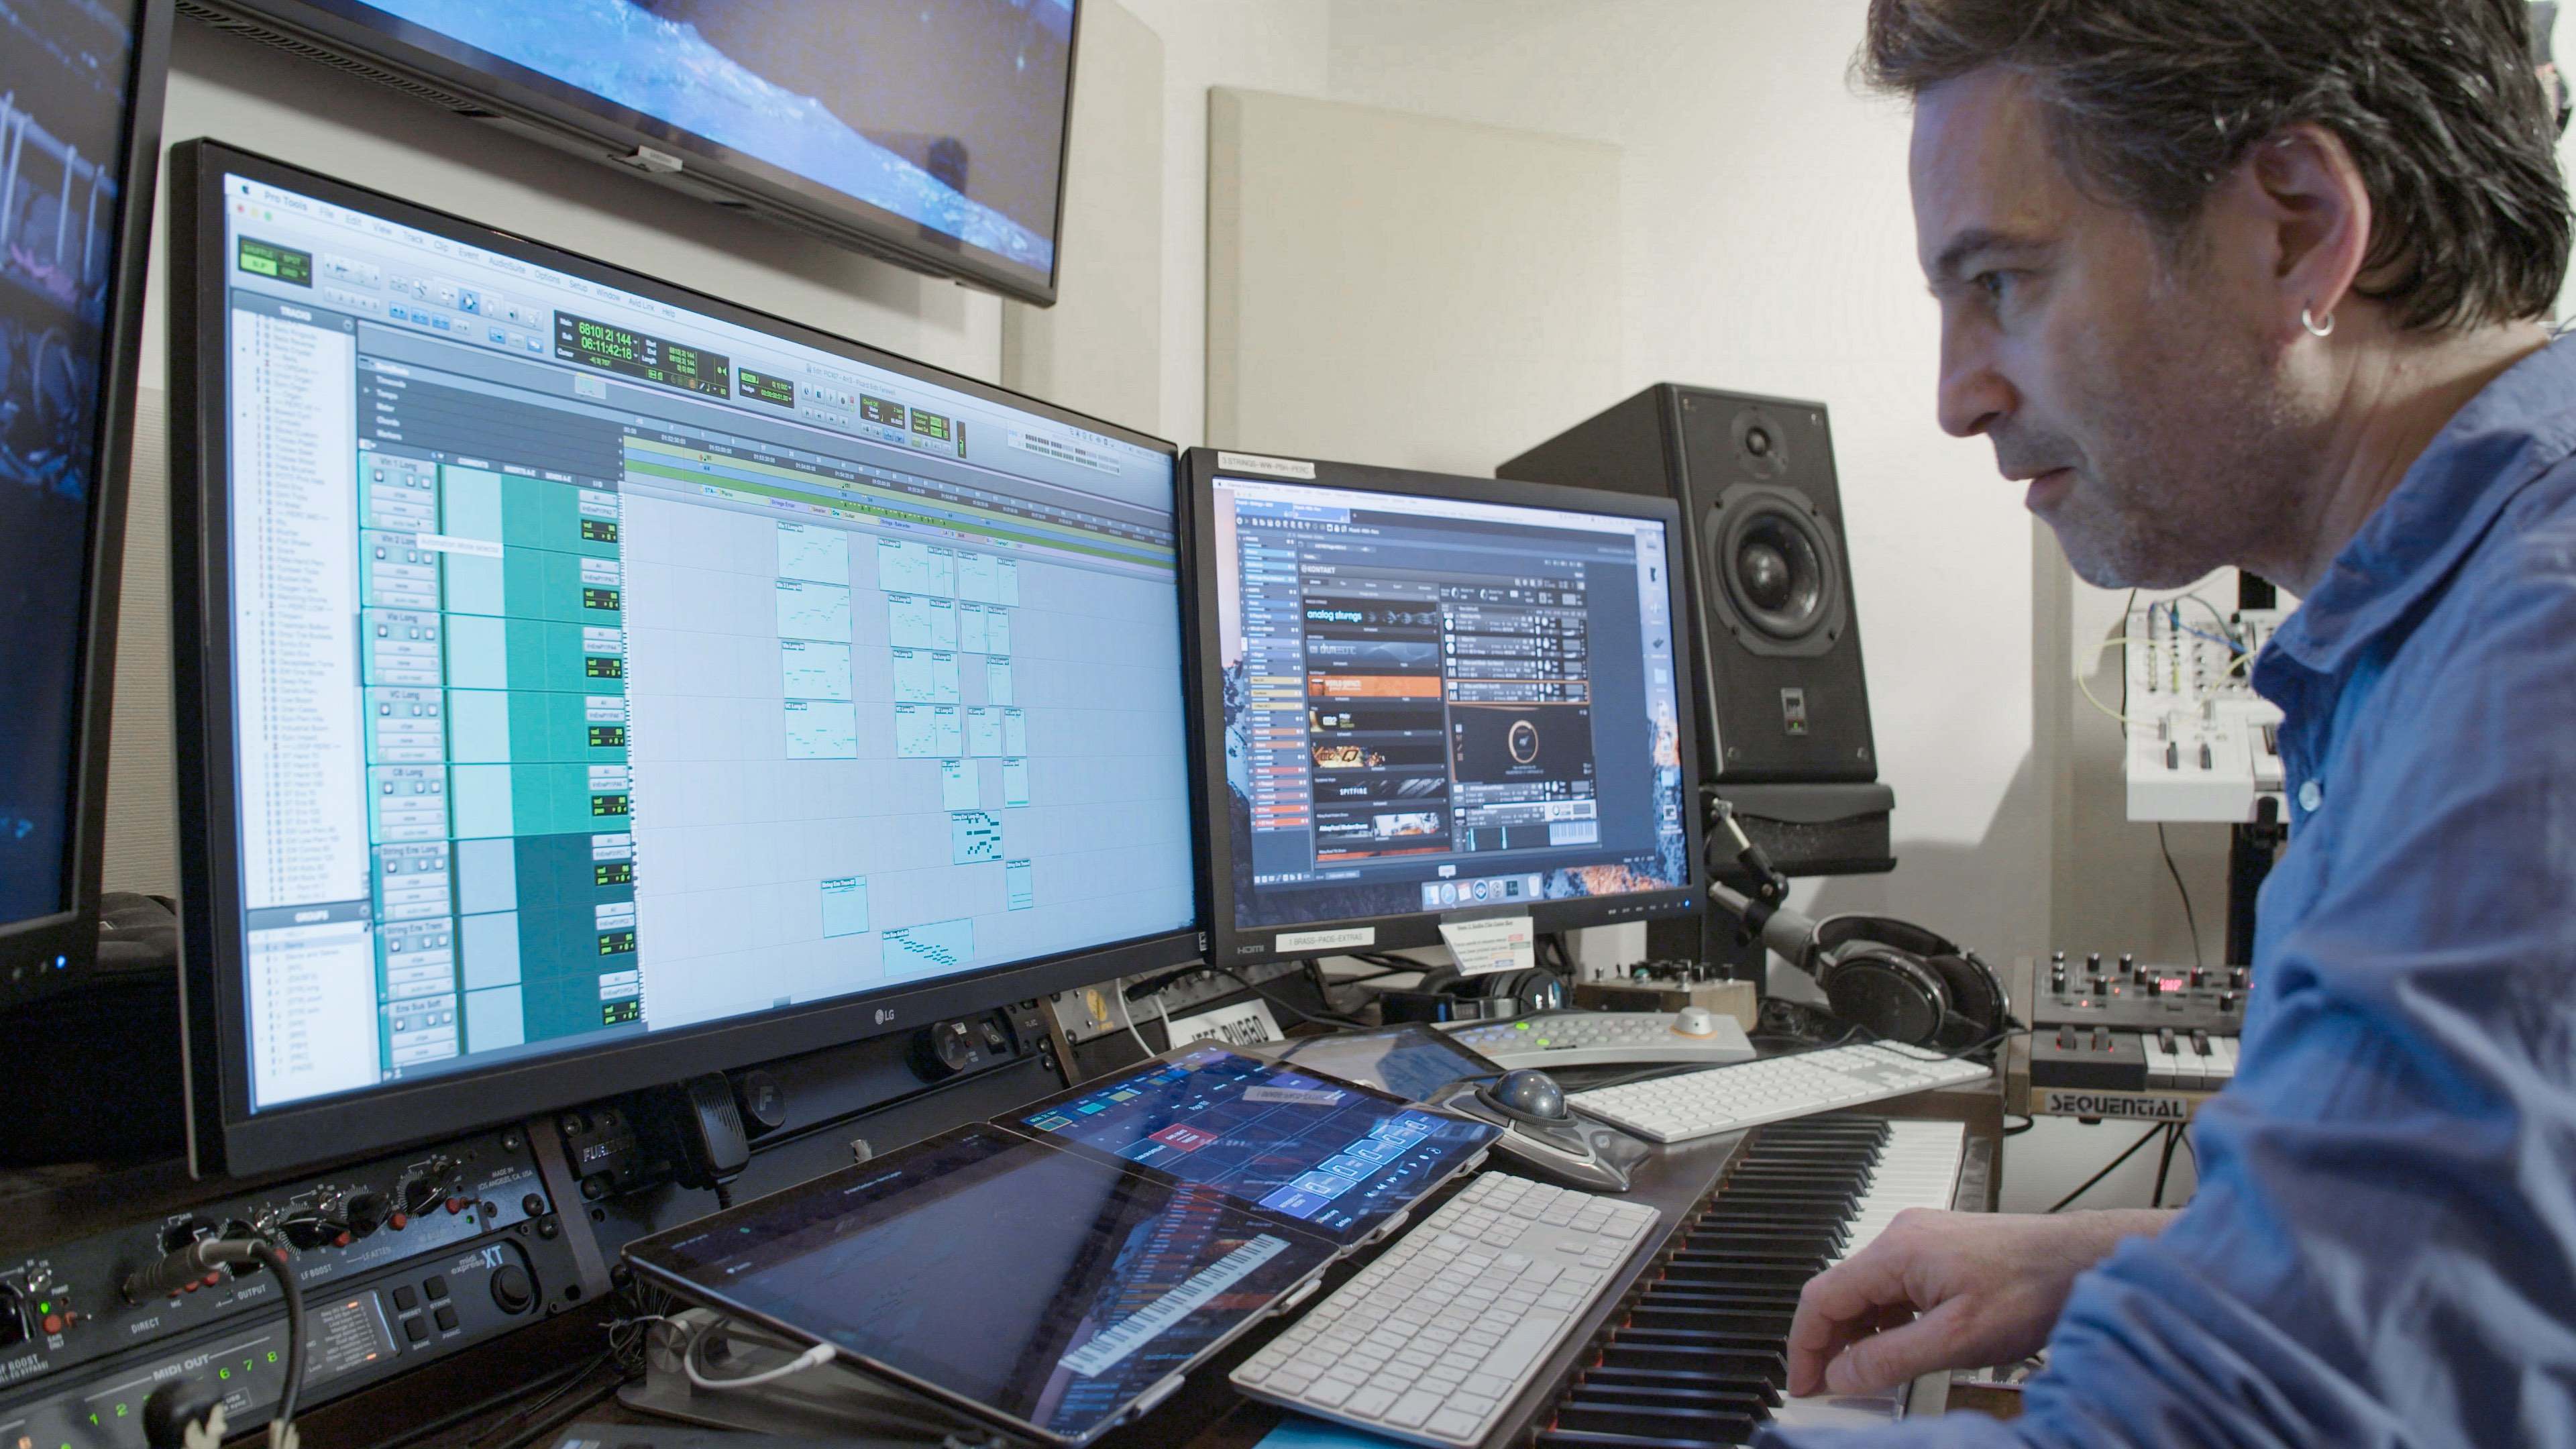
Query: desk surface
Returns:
{"type": "Point", "coordinates": [1205, 1413]}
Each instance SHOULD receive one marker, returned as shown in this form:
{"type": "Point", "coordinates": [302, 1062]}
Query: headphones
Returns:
{"type": "Point", "coordinates": [1902, 983]}
{"type": "Point", "coordinates": [1445, 995]}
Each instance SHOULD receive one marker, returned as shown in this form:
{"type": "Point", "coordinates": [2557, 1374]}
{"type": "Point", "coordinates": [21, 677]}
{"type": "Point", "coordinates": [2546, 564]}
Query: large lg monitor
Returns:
{"type": "Point", "coordinates": [586, 682]}
{"type": "Point", "coordinates": [1434, 696]}
{"type": "Point", "coordinates": [931, 131]}
{"type": "Point", "coordinates": [80, 125]}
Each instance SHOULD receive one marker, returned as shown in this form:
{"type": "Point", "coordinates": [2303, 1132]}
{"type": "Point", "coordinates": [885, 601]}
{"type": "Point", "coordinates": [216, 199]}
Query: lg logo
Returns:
{"type": "Point", "coordinates": [884, 1015]}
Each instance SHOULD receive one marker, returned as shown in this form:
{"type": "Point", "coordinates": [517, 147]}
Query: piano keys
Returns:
{"type": "Point", "coordinates": [1700, 1357]}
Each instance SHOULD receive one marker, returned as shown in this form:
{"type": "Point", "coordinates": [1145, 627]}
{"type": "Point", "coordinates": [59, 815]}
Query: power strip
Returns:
{"type": "Point", "coordinates": [1092, 1012]}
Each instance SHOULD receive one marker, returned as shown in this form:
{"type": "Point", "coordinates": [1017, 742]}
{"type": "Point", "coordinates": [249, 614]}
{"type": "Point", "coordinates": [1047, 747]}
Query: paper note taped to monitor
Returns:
{"type": "Point", "coordinates": [1491, 943]}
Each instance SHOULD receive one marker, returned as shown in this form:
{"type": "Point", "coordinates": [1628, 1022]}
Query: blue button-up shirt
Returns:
{"type": "Point", "coordinates": [2382, 1248]}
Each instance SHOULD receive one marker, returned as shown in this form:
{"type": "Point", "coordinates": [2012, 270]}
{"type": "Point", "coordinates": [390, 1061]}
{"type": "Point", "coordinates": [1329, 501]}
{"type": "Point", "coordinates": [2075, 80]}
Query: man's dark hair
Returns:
{"type": "Point", "coordinates": [2151, 102]}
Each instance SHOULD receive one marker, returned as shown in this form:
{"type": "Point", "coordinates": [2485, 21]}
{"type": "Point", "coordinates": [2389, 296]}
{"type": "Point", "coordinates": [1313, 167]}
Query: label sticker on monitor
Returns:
{"type": "Point", "coordinates": [1490, 944]}
{"type": "Point", "coordinates": [1326, 940]}
{"type": "Point", "coordinates": [1265, 466]}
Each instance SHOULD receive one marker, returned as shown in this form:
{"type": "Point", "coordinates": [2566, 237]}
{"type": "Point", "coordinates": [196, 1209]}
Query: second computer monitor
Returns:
{"type": "Point", "coordinates": [1434, 696]}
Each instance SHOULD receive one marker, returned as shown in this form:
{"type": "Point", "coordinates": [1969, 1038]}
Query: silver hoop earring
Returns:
{"type": "Point", "coordinates": [2307, 319]}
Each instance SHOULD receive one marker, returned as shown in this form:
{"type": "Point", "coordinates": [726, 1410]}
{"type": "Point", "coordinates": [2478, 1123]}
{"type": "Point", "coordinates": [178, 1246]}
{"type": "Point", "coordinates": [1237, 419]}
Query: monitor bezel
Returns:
{"type": "Point", "coordinates": [224, 1133]}
{"type": "Point", "coordinates": [30, 947]}
{"type": "Point", "coordinates": [1403, 930]}
{"type": "Point", "coordinates": [530, 98]}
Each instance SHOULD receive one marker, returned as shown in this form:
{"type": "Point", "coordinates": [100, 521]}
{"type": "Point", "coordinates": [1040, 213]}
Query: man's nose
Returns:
{"type": "Point", "coordinates": [1973, 396]}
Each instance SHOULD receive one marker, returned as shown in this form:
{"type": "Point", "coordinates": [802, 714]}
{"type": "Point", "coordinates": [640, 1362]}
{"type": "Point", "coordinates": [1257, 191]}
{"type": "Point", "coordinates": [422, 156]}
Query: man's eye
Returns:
{"type": "Point", "coordinates": [1993, 284]}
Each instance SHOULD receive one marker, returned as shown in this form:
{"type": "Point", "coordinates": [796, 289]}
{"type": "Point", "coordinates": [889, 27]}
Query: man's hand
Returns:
{"type": "Point", "coordinates": [1945, 1290]}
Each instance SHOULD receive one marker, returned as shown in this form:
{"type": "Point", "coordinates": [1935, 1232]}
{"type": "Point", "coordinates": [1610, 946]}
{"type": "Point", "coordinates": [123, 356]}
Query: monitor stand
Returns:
{"type": "Point", "coordinates": [835, 1402]}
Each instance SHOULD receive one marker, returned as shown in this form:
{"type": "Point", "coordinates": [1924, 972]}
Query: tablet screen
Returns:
{"type": "Point", "coordinates": [1340, 1158]}
{"type": "Point", "coordinates": [1047, 1287]}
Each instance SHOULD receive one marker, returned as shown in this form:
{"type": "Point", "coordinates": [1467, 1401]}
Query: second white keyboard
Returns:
{"type": "Point", "coordinates": [1775, 1089]}
{"type": "Point", "coordinates": [1607, 1039]}
{"type": "Point", "coordinates": [1434, 1340]}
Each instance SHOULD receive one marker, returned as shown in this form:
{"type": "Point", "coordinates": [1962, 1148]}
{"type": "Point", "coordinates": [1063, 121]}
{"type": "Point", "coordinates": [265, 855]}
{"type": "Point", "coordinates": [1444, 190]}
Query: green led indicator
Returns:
{"type": "Point", "coordinates": [44, 1307]}
{"type": "Point", "coordinates": [1520, 1026]}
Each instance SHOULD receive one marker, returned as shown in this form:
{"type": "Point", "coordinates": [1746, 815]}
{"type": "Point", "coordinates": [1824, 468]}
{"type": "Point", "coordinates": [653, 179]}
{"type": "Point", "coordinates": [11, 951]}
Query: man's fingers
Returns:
{"type": "Point", "coordinates": [1807, 1372]}
{"type": "Point", "coordinates": [1883, 1360]}
{"type": "Point", "coordinates": [1840, 1305]}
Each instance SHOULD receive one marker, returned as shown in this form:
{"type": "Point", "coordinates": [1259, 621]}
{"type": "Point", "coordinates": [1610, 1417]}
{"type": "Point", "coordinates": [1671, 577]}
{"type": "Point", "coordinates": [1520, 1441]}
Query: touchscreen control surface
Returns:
{"type": "Point", "coordinates": [1336, 1156]}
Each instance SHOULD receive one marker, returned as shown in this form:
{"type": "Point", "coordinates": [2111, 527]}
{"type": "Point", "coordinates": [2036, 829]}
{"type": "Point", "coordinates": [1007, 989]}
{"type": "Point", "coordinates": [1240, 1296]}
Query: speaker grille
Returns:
{"type": "Point", "coordinates": [267, 35]}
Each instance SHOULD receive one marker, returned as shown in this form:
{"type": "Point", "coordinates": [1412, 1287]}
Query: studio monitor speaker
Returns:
{"type": "Point", "coordinates": [1784, 696]}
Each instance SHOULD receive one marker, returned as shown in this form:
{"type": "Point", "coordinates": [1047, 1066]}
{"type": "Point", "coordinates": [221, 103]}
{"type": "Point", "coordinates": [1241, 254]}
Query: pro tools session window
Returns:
{"type": "Point", "coordinates": [1433, 704]}
{"type": "Point", "coordinates": [604, 667]}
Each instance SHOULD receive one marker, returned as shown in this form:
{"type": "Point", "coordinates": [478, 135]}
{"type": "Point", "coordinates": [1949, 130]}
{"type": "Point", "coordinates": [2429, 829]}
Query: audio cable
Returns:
{"type": "Point", "coordinates": [197, 1265]}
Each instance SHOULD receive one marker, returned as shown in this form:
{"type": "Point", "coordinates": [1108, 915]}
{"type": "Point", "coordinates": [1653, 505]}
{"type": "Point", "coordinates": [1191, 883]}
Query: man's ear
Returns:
{"type": "Point", "coordinates": [2308, 202]}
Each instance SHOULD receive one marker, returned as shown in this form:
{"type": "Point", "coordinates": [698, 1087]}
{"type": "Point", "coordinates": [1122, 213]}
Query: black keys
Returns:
{"type": "Point", "coordinates": [1701, 1358]}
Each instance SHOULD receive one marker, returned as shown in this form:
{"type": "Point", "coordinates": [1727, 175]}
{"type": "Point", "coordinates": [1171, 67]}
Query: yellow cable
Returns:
{"type": "Point", "coordinates": [2107, 646]}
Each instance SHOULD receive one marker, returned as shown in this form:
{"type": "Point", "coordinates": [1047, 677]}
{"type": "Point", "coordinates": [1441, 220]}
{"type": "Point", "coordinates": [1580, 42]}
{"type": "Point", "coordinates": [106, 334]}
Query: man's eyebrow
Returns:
{"type": "Point", "coordinates": [1954, 257]}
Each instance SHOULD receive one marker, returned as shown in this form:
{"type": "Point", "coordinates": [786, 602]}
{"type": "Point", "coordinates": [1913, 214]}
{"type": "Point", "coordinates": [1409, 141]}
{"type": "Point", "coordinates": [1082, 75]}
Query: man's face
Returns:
{"type": "Point", "coordinates": [2135, 394]}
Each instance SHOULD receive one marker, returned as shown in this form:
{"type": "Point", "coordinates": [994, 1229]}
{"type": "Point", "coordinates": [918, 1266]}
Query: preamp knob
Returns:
{"type": "Point", "coordinates": [762, 1099]}
{"type": "Point", "coordinates": [942, 1051]}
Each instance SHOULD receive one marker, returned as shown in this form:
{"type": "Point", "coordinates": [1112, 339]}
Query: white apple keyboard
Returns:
{"type": "Point", "coordinates": [1434, 1340]}
{"type": "Point", "coordinates": [1607, 1039]}
{"type": "Point", "coordinates": [1775, 1089]}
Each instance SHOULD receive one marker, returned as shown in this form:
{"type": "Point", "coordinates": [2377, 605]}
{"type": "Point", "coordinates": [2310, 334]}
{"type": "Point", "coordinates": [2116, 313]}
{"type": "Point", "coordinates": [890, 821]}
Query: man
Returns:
{"type": "Point", "coordinates": [2261, 282]}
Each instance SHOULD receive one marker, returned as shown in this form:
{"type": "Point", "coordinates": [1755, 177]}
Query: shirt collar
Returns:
{"type": "Point", "coordinates": [2512, 431]}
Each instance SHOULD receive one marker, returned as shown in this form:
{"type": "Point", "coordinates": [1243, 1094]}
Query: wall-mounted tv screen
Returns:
{"type": "Point", "coordinates": [931, 131]}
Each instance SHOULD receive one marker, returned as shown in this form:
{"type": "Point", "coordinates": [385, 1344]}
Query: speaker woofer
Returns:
{"type": "Point", "coordinates": [1778, 577]}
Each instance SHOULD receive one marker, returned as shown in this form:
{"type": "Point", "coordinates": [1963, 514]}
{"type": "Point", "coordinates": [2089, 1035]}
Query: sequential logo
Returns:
{"type": "Point", "coordinates": [2095, 1104]}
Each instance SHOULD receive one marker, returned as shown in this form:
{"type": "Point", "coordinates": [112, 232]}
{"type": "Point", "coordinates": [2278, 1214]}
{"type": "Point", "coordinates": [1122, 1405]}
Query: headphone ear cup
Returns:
{"type": "Point", "coordinates": [1976, 999]}
{"type": "Point", "coordinates": [1443, 979]}
{"type": "Point", "coordinates": [1539, 989]}
{"type": "Point", "coordinates": [1888, 994]}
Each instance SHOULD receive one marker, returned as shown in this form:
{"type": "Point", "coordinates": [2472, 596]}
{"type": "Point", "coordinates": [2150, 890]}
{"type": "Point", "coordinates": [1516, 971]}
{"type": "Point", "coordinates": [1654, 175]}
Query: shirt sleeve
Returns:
{"type": "Point", "coordinates": [2382, 1248]}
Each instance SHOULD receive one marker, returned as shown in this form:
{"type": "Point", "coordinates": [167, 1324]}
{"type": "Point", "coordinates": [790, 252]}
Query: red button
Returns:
{"type": "Point", "coordinates": [398, 1222]}
{"type": "Point", "coordinates": [456, 1204]}
{"type": "Point", "coordinates": [189, 1287]}
{"type": "Point", "coordinates": [53, 1323]}
{"type": "Point", "coordinates": [214, 1279]}
{"type": "Point", "coordinates": [341, 1241]}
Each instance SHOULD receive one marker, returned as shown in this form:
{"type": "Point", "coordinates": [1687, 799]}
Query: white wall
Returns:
{"type": "Point", "coordinates": [1099, 349]}
{"type": "Point", "coordinates": [1412, 311]}
{"type": "Point", "coordinates": [1271, 45]}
